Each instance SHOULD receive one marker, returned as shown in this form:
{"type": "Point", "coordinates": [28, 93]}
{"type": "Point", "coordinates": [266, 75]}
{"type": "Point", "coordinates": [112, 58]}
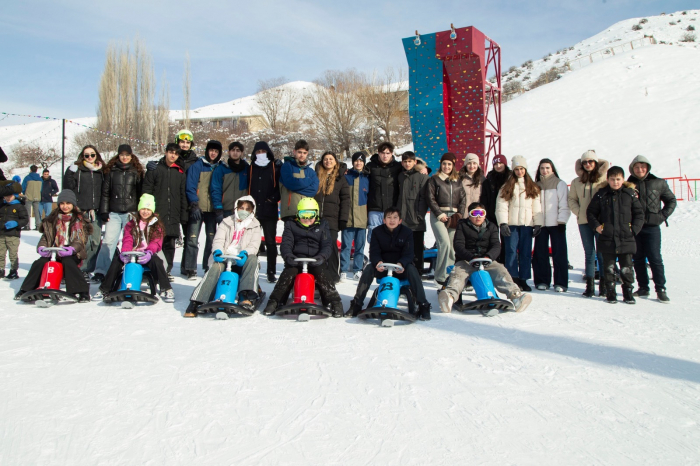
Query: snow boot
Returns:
{"type": "Point", "coordinates": [601, 289]}
{"type": "Point", "coordinates": [354, 309]}
{"type": "Point", "coordinates": [590, 287]}
{"type": "Point", "coordinates": [641, 293]}
{"type": "Point", "coordinates": [192, 309]}
{"type": "Point", "coordinates": [611, 293]}
{"type": "Point", "coordinates": [270, 308]}
{"type": "Point", "coordinates": [662, 296]}
{"type": "Point", "coordinates": [627, 295]}
{"type": "Point", "coordinates": [337, 308]}
{"type": "Point", "coordinates": [524, 286]}
{"type": "Point", "coordinates": [12, 275]}
{"type": "Point", "coordinates": [424, 311]}
{"type": "Point", "coordinates": [19, 295]}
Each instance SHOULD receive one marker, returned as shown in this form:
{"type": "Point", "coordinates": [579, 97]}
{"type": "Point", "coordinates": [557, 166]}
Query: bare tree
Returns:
{"type": "Point", "coordinates": [32, 153]}
{"type": "Point", "coordinates": [279, 104]}
{"type": "Point", "coordinates": [186, 91]}
{"type": "Point", "coordinates": [384, 98]}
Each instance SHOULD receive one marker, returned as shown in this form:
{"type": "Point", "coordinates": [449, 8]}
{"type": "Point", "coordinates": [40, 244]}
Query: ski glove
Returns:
{"type": "Point", "coordinates": [195, 212]}
{"type": "Point", "coordinates": [146, 258]}
{"type": "Point", "coordinates": [243, 258]}
{"type": "Point", "coordinates": [319, 261]}
{"type": "Point", "coordinates": [342, 225]}
{"type": "Point", "coordinates": [218, 256]}
{"type": "Point", "coordinates": [290, 260]}
{"type": "Point", "coordinates": [43, 252]}
{"type": "Point", "coordinates": [505, 230]}
{"type": "Point", "coordinates": [67, 251]}
{"type": "Point", "coordinates": [151, 165]}
{"type": "Point", "coordinates": [11, 224]}
{"type": "Point", "coordinates": [562, 228]}
{"type": "Point", "coordinates": [219, 216]}
{"type": "Point", "coordinates": [104, 217]}
{"type": "Point", "coordinates": [536, 231]}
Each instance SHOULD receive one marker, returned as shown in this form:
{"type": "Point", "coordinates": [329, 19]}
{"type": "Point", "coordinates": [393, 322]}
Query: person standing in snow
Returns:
{"type": "Point", "coordinates": [472, 181]}
{"type": "Point", "coordinates": [554, 196]}
{"type": "Point", "coordinates": [653, 192]}
{"type": "Point", "coordinates": [229, 182]}
{"type": "Point", "coordinates": [413, 203]}
{"type": "Point", "coordinates": [493, 183]}
{"type": "Point", "coordinates": [383, 185]}
{"type": "Point", "coordinates": [13, 217]}
{"type": "Point", "coordinates": [49, 188]}
{"type": "Point", "coordinates": [356, 229]}
{"type": "Point", "coordinates": [31, 187]}
{"type": "Point", "coordinates": [297, 180]}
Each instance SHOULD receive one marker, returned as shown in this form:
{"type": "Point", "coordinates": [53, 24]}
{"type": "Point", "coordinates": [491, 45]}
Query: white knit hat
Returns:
{"type": "Point", "coordinates": [589, 155]}
{"type": "Point", "coordinates": [518, 161]}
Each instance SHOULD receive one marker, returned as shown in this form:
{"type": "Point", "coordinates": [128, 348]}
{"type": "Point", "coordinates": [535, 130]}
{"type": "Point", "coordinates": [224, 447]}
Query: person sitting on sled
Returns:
{"type": "Point", "coordinates": [391, 243]}
{"type": "Point", "coordinates": [143, 232]}
{"type": "Point", "coordinates": [307, 236]}
{"type": "Point", "coordinates": [476, 237]}
{"type": "Point", "coordinates": [63, 227]}
{"type": "Point", "coordinates": [238, 235]}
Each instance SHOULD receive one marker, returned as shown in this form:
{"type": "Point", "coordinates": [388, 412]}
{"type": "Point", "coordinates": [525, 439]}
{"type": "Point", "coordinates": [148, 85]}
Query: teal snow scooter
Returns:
{"type": "Point", "coordinates": [129, 292]}
{"type": "Point", "coordinates": [487, 300]}
{"type": "Point", "coordinates": [384, 302]}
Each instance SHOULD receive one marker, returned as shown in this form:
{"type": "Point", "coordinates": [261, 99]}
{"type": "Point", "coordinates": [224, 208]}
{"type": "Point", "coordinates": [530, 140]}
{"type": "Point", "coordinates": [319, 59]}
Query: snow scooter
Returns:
{"type": "Point", "coordinates": [224, 303]}
{"type": "Point", "coordinates": [303, 305]}
{"type": "Point", "coordinates": [49, 292]}
{"type": "Point", "coordinates": [387, 297]}
{"type": "Point", "coordinates": [129, 291]}
{"type": "Point", "coordinates": [487, 301]}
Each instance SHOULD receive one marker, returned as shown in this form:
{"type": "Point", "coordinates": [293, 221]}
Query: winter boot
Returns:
{"type": "Point", "coordinates": [84, 297]}
{"type": "Point", "coordinates": [524, 286]}
{"type": "Point", "coordinates": [641, 293]}
{"type": "Point", "coordinates": [13, 275]}
{"type": "Point", "coordinates": [601, 289]}
{"type": "Point", "coordinates": [590, 287]}
{"type": "Point", "coordinates": [192, 309]}
{"type": "Point", "coordinates": [662, 296]}
{"type": "Point", "coordinates": [424, 311]}
{"type": "Point", "coordinates": [354, 309]}
{"type": "Point", "coordinates": [627, 295]}
{"type": "Point", "coordinates": [446, 301]}
{"type": "Point", "coordinates": [337, 308]}
{"type": "Point", "coordinates": [270, 308]}
{"type": "Point", "coordinates": [19, 295]}
{"type": "Point", "coordinates": [610, 293]}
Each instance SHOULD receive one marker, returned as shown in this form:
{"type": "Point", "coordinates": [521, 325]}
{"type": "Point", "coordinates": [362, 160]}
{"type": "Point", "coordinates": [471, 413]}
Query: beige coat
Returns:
{"type": "Point", "coordinates": [580, 194]}
{"type": "Point", "coordinates": [519, 211]}
{"type": "Point", "coordinates": [250, 241]}
{"type": "Point", "coordinates": [473, 192]}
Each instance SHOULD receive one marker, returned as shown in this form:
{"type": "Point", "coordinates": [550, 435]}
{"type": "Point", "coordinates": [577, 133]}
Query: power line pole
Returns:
{"type": "Point", "coordinates": [63, 152]}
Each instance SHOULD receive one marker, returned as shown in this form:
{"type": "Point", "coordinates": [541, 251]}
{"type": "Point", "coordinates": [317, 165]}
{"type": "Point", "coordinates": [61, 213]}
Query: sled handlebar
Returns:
{"type": "Point", "coordinates": [134, 254]}
{"type": "Point", "coordinates": [305, 263]}
{"type": "Point", "coordinates": [53, 250]}
{"type": "Point", "coordinates": [391, 268]}
{"type": "Point", "coordinates": [480, 262]}
{"type": "Point", "coordinates": [229, 257]}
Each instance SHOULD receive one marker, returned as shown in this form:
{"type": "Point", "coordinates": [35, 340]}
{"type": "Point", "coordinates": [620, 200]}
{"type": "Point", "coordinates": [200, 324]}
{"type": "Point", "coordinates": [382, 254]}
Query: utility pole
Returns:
{"type": "Point", "coordinates": [63, 152]}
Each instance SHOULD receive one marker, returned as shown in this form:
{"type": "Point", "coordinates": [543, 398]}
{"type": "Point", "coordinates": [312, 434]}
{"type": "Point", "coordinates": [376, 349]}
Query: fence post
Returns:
{"type": "Point", "coordinates": [632, 45]}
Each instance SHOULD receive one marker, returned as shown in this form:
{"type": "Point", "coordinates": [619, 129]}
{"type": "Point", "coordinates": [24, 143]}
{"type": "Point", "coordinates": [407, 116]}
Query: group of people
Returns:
{"type": "Point", "coordinates": [381, 202]}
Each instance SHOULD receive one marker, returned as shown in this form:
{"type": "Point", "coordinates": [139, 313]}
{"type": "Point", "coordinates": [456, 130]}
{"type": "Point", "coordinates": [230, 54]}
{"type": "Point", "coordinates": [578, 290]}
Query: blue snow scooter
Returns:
{"type": "Point", "coordinates": [129, 292]}
{"type": "Point", "coordinates": [487, 301]}
{"type": "Point", "coordinates": [227, 299]}
{"type": "Point", "coordinates": [385, 300]}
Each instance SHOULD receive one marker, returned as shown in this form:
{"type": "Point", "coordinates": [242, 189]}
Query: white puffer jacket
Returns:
{"type": "Point", "coordinates": [250, 241]}
{"type": "Point", "coordinates": [555, 201]}
{"type": "Point", "coordinates": [519, 211]}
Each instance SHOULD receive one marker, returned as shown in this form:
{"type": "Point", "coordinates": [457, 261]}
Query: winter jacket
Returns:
{"type": "Point", "coordinates": [49, 188]}
{"type": "Point", "coordinates": [489, 192]}
{"type": "Point", "coordinates": [622, 217]}
{"type": "Point", "coordinates": [580, 194]}
{"type": "Point", "coordinates": [167, 185]}
{"type": "Point", "coordinates": [86, 184]}
{"type": "Point", "coordinates": [300, 241]}
{"type": "Point", "coordinates": [77, 241]}
{"type": "Point", "coordinates": [13, 210]}
{"type": "Point", "coordinates": [197, 184]}
{"type": "Point", "coordinates": [250, 241]}
{"type": "Point", "coordinates": [335, 207]}
{"type": "Point", "coordinates": [413, 199]}
{"type": "Point", "coordinates": [264, 187]}
{"type": "Point", "coordinates": [133, 237]}
{"type": "Point", "coordinates": [31, 187]}
{"type": "Point", "coordinates": [554, 199]}
{"type": "Point", "coordinates": [229, 182]}
{"type": "Point", "coordinates": [295, 183]}
{"type": "Point", "coordinates": [187, 158]}
{"type": "Point", "coordinates": [358, 183]}
{"type": "Point", "coordinates": [445, 196]}
{"type": "Point", "coordinates": [393, 247]}
{"type": "Point", "coordinates": [121, 189]}
{"type": "Point", "coordinates": [472, 241]}
{"type": "Point", "coordinates": [383, 184]}
{"type": "Point", "coordinates": [472, 193]}
{"type": "Point", "coordinates": [652, 192]}
{"type": "Point", "coordinates": [519, 211]}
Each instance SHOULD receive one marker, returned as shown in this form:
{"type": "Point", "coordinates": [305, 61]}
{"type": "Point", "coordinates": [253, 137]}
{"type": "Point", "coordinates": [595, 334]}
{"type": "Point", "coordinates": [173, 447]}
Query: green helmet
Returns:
{"type": "Point", "coordinates": [184, 135]}
{"type": "Point", "coordinates": [307, 208]}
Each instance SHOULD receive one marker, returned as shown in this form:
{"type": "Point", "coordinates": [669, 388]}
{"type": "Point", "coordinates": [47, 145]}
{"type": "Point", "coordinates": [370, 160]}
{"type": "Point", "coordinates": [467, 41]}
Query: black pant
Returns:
{"type": "Point", "coordinates": [370, 272]}
{"type": "Point", "coordinates": [184, 249]}
{"type": "Point", "coordinates": [333, 263]}
{"type": "Point", "coordinates": [626, 270]}
{"type": "Point", "coordinates": [169, 251]}
{"type": "Point", "coordinates": [649, 248]}
{"type": "Point", "coordinates": [323, 282]}
{"type": "Point", "coordinates": [269, 227]}
{"type": "Point", "coordinates": [75, 282]}
{"type": "Point", "coordinates": [418, 249]}
{"type": "Point", "coordinates": [114, 273]}
{"type": "Point", "coordinates": [541, 270]}
{"type": "Point", "coordinates": [192, 240]}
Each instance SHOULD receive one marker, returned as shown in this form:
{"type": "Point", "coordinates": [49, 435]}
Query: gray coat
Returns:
{"type": "Point", "coordinates": [413, 200]}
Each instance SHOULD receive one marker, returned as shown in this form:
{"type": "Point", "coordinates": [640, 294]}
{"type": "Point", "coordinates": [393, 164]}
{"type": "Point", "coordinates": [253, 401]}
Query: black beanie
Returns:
{"type": "Point", "coordinates": [124, 148]}
{"type": "Point", "coordinates": [236, 144]}
{"type": "Point", "coordinates": [67, 196]}
{"type": "Point", "coordinates": [359, 156]}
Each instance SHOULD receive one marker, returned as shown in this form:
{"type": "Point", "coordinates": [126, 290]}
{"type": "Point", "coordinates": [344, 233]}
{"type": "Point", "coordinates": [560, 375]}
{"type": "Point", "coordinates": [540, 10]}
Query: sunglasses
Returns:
{"type": "Point", "coordinates": [89, 156]}
{"type": "Point", "coordinates": [307, 214]}
{"type": "Point", "coordinates": [477, 213]}
{"type": "Point", "coordinates": [588, 162]}
{"type": "Point", "coordinates": [185, 137]}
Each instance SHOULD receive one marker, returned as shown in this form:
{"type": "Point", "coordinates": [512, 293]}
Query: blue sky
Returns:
{"type": "Point", "coordinates": [54, 50]}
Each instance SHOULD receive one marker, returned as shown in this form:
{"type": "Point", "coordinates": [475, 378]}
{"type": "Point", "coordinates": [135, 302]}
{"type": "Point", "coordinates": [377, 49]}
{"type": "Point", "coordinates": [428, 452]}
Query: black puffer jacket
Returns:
{"type": "Point", "coordinates": [383, 184]}
{"type": "Point", "coordinates": [300, 241]}
{"type": "Point", "coordinates": [335, 207]}
{"type": "Point", "coordinates": [86, 184]}
{"type": "Point", "coordinates": [652, 192]}
{"type": "Point", "coordinates": [472, 242]}
{"type": "Point", "coordinates": [264, 186]}
{"type": "Point", "coordinates": [121, 189]}
{"type": "Point", "coordinates": [489, 192]}
{"type": "Point", "coordinates": [186, 159]}
{"type": "Point", "coordinates": [622, 218]}
{"type": "Point", "coordinates": [16, 211]}
{"type": "Point", "coordinates": [391, 246]}
{"type": "Point", "coordinates": [413, 200]}
{"type": "Point", "coordinates": [167, 185]}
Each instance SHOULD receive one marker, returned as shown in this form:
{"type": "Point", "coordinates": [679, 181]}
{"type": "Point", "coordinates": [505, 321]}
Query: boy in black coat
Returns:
{"type": "Point", "coordinates": [307, 236]}
{"type": "Point", "coordinates": [616, 214]}
{"type": "Point", "coordinates": [391, 243]}
{"type": "Point", "coordinates": [13, 217]}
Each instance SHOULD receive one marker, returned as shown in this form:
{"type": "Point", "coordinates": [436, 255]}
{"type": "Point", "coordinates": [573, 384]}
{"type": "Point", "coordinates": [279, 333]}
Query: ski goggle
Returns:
{"type": "Point", "coordinates": [307, 214]}
{"type": "Point", "coordinates": [477, 213]}
{"type": "Point", "coordinates": [184, 137]}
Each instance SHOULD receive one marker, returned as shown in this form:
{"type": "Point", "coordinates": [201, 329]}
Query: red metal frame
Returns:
{"type": "Point", "coordinates": [492, 101]}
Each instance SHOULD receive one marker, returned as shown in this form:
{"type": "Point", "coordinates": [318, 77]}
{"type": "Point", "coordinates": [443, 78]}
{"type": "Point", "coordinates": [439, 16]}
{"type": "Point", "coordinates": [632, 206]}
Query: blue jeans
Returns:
{"type": "Point", "coordinates": [588, 238]}
{"type": "Point", "coordinates": [348, 236]}
{"type": "Point", "coordinates": [374, 219]}
{"type": "Point", "coordinates": [44, 208]}
{"type": "Point", "coordinates": [113, 233]}
{"type": "Point", "coordinates": [519, 252]}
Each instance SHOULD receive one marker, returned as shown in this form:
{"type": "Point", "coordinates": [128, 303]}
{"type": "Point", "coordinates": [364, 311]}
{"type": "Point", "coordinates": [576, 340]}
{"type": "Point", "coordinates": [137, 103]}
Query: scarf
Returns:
{"type": "Point", "coordinates": [239, 229]}
{"type": "Point", "coordinates": [92, 167]}
{"type": "Point", "coordinates": [261, 160]}
{"type": "Point", "coordinates": [142, 243]}
{"type": "Point", "coordinates": [62, 234]}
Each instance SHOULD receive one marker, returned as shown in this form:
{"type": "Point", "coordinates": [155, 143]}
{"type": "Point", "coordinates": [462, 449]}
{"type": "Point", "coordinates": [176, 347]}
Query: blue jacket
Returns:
{"type": "Point", "coordinates": [49, 188]}
{"type": "Point", "coordinates": [351, 176]}
{"type": "Point", "coordinates": [218, 191]}
{"type": "Point", "coordinates": [33, 176]}
{"type": "Point", "coordinates": [195, 179]}
{"type": "Point", "coordinates": [295, 183]}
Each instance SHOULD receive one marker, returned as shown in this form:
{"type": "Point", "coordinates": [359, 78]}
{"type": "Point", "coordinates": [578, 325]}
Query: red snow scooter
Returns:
{"type": "Point", "coordinates": [49, 292]}
{"type": "Point", "coordinates": [303, 305]}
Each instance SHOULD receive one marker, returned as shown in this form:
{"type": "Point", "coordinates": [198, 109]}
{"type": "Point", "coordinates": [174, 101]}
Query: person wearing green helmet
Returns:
{"type": "Point", "coordinates": [307, 236]}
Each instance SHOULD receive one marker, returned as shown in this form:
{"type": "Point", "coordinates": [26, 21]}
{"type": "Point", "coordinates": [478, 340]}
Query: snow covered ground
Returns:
{"type": "Point", "coordinates": [569, 381]}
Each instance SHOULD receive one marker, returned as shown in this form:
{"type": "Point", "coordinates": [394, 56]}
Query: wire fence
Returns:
{"type": "Point", "coordinates": [608, 52]}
